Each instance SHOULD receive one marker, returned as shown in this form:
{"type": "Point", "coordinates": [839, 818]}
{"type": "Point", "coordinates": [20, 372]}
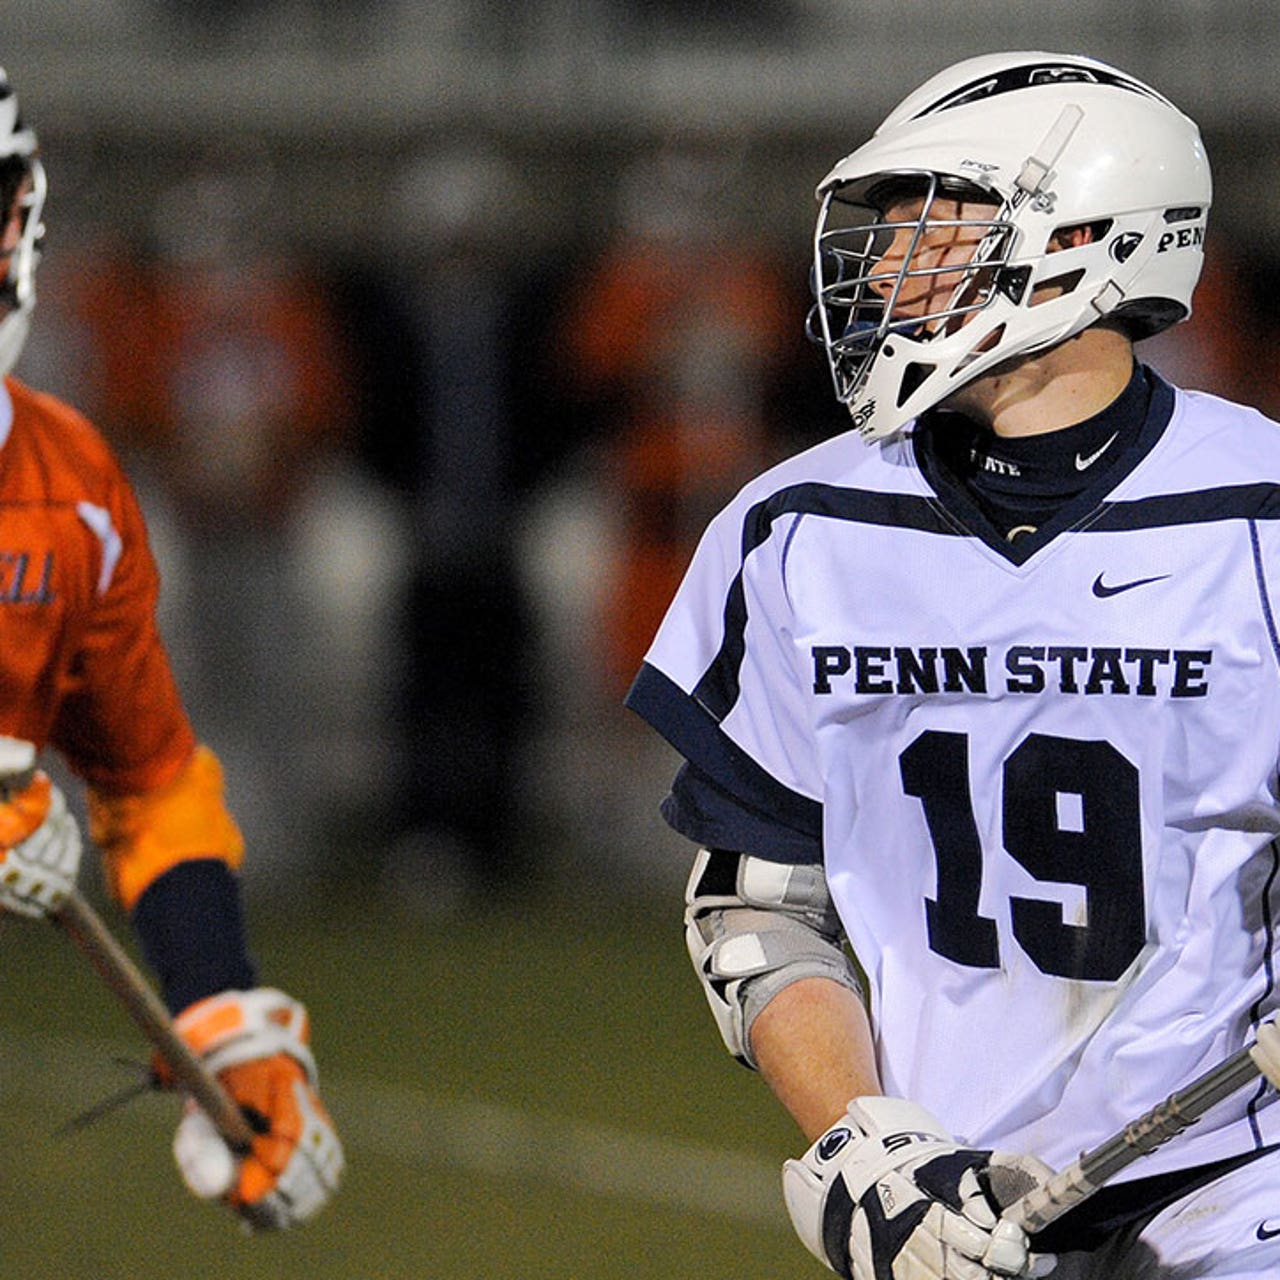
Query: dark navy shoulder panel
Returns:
{"type": "Point", "coordinates": [699, 808]}
{"type": "Point", "coordinates": [742, 782]}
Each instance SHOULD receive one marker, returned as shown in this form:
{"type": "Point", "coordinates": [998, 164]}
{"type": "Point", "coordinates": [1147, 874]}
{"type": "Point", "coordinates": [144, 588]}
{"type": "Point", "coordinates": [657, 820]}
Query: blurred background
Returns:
{"type": "Point", "coordinates": [431, 334]}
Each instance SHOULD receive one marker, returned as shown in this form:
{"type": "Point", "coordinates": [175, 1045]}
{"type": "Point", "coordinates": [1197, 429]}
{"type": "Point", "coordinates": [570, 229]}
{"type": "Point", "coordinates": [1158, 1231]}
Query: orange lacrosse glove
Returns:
{"type": "Point", "coordinates": [40, 841]}
{"type": "Point", "coordinates": [256, 1042]}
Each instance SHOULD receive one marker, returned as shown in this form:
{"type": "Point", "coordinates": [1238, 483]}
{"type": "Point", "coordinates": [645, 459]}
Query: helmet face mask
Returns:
{"type": "Point", "coordinates": [951, 252]}
{"type": "Point", "coordinates": [1002, 158]}
{"type": "Point", "coordinates": [22, 189]}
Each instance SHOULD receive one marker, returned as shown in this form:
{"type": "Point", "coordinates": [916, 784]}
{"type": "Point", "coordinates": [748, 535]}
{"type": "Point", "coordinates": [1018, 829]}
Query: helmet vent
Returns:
{"type": "Point", "coordinates": [1056, 287]}
{"type": "Point", "coordinates": [988, 343]}
{"type": "Point", "coordinates": [913, 376]}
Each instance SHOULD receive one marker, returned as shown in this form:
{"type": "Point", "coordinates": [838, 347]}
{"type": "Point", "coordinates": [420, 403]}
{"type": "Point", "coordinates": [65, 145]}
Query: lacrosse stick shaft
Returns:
{"type": "Point", "coordinates": [1078, 1181]}
{"type": "Point", "coordinates": [84, 926]}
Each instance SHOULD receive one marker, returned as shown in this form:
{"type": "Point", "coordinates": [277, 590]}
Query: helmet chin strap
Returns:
{"type": "Point", "coordinates": [1038, 167]}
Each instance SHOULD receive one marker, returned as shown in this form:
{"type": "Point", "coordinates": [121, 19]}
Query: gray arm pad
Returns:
{"type": "Point", "coordinates": [753, 927]}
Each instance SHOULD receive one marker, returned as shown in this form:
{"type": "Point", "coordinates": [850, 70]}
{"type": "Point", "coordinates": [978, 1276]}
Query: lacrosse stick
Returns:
{"type": "Point", "coordinates": [1078, 1181]}
{"type": "Point", "coordinates": [82, 924]}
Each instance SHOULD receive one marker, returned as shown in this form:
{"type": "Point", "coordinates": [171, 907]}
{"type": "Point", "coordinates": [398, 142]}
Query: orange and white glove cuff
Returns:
{"type": "Point", "coordinates": [242, 1026]}
{"type": "Point", "coordinates": [40, 849]}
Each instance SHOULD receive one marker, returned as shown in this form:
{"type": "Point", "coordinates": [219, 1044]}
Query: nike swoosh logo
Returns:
{"type": "Point", "coordinates": [1083, 464]}
{"type": "Point", "coordinates": [1267, 1233]}
{"type": "Point", "coordinates": [1102, 591]}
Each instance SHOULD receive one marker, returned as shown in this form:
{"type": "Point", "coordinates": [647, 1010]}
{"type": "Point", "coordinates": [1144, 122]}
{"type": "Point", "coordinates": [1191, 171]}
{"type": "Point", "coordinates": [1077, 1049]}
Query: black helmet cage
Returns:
{"type": "Point", "coordinates": [14, 171]}
{"type": "Point", "coordinates": [853, 312]}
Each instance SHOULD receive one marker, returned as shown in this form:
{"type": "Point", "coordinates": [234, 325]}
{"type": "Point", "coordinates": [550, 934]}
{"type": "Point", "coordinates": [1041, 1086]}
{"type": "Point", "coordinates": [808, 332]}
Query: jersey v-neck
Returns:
{"type": "Point", "coordinates": [1035, 487]}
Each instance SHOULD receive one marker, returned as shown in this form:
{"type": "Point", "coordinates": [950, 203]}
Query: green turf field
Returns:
{"type": "Point", "coordinates": [514, 1103]}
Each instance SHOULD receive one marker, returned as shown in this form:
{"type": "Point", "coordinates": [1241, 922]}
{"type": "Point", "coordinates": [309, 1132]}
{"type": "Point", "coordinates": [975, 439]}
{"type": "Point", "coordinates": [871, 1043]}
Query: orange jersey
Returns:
{"type": "Point", "coordinates": [82, 665]}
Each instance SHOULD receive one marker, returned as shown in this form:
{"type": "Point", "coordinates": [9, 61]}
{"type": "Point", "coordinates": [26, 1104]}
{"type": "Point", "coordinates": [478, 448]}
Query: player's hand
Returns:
{"type": "Point", "coordinates": [256, 1042]}
{"type": "Point", "coordinates": [887, 1192]}
{"type": "Point", "coordinates": [39, 838]}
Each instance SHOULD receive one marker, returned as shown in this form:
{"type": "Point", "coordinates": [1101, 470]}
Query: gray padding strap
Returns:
{"type": "Point", "coordinates": [754, 927]}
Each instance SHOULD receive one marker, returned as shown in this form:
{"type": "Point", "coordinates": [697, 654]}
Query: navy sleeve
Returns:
{"type": "Point", "coordinates": [711, 816]}
{"type": "Point", "coordinates": [191, 927]}
{"type": "Point", "coordinates": [724, 798]}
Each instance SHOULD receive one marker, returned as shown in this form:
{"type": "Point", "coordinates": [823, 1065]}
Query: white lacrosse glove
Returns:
{"type": "Point", "coordinates": [256, 1042]}
{"type": "Point", "coordinates": [1265, 1051]}
{"type": "Point", "coordinates": [886, 1192]}
{"type": "Point", "coordinates": [39, 838]}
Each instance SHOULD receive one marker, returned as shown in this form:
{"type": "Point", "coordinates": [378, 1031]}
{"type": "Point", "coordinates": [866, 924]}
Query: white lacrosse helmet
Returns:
{"type": "Point", "coordinates": [19, 159]}
{"type": "Point", "coordinates": [1048, 141]}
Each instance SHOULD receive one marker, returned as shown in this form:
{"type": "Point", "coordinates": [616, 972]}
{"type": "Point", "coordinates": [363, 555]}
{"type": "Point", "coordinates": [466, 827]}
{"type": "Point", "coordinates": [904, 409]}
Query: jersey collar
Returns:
{"type": "Point", "coordinates": [962, 507]}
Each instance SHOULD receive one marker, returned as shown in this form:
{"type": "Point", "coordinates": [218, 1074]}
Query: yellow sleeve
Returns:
{"type": "Point", "coordinates": [144, 834]}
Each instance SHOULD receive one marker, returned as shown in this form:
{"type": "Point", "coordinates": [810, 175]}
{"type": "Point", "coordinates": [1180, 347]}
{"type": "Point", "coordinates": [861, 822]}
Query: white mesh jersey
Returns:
{"type": "Point", "coordinates": [1045, 774]}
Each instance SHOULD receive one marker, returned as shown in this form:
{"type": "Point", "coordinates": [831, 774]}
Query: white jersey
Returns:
{"type": "Point", "coordinates": [1046, 781]}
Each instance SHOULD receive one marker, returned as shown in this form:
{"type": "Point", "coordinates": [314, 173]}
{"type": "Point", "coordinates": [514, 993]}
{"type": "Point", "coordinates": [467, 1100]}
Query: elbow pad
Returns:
{"type": "Point", "coordinates": [753, 927]}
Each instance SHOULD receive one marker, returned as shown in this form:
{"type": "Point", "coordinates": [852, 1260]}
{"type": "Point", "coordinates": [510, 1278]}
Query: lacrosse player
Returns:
{"type": "Point", "coordinates": [83, 670]}
{"type": "Point", "coordinates": [988, 688]}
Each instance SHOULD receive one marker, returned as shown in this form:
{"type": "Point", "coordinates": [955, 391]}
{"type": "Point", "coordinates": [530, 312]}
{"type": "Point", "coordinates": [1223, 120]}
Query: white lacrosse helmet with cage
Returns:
{"type": "Point", "coordinates": [20, 169]}
{"type": "Point", "coordinates": [1045, 142]}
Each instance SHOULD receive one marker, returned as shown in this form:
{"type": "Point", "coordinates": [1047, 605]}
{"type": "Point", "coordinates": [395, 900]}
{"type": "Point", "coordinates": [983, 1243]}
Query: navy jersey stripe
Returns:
{"type": "Point", "coordinates": [955, 496]}
{"type": "Point", "coordinates": [1201, 506]}
{"type": "Point", "coordinates": [717, 690]}
{"type": "Point", "coordinates": [702, 810]}
{"type": "Point", "coordinates": [1264, 594]}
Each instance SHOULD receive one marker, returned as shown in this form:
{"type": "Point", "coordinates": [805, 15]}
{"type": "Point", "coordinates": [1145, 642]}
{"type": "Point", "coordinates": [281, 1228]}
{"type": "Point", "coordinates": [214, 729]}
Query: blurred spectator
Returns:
{"type": "Point", "coordinates": [449, 316]}
{"type": "Point", "coordinates": [222, 370]}
{"type": "Point", "coordinates": [670, 346]}
{"type": "Point", "coordinates": [248, 381]}
{"type": "Point", "coordinates": [674, 333]}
